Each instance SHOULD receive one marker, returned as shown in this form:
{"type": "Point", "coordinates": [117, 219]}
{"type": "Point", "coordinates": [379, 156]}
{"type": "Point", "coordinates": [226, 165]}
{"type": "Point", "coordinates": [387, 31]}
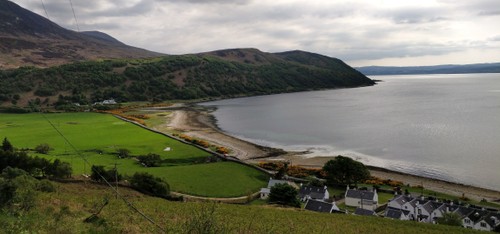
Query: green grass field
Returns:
{"type": "Point", "coordinates": [98, 136]}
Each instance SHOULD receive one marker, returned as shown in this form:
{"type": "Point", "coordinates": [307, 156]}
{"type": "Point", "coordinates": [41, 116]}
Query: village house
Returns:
{"type": "Point", "coordinates": [361, 198]}
{"type": "Point", "coordinates": [264, 192]}
{"type": "Point", "coordinates": [426, 210]}
{"type": "Point", "coordinates": [308, 192]}
{"type": "Point", "coordinates": [106, 102]}
{"type": "Point", "coordinates": [488, 222]}
{"type": "Point", "coordinates": [398, 201]}
{"type": "Point", "coordinates": [321, 206]}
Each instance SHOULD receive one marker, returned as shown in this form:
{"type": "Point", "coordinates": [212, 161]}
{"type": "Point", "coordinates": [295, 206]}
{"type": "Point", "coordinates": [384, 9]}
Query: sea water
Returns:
{"type": "Point", "coordinates": [439, 126]}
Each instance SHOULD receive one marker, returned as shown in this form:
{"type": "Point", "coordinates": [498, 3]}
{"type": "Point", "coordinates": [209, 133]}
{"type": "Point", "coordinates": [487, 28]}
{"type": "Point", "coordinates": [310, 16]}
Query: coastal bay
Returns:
{"type": "Point", "coordinates": [197, 122]}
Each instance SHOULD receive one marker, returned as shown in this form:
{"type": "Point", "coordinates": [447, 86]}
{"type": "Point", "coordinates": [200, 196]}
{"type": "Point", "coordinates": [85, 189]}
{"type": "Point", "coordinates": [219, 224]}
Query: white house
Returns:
{"type": "Point", "coordinates": [308, 192]}
{"type": "Point", "coordinates": [361, 198]}
{"type": "Point", "coordinates": [264, 192]}
{"type": "Point", "coordinates": [477, 220]}
{"type": "Point", "coordinates": [424, 211]}
{"type": "Point", "coordinates": [489, 222]}
{"type": "Point", "coordinates": [398, 201]}
{"type": "Point", "coordinates": [411, 208]}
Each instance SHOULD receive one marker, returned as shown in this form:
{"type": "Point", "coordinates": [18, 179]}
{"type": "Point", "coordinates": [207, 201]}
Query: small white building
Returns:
{"type": "Point", "coordinates": [361, 198]}
{"type": "Point", "coordinates": [264, 192]}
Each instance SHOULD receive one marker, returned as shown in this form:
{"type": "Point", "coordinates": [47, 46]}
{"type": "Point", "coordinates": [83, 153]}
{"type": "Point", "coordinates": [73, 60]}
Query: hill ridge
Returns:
{"type": "Point", "coordinates": [27, 38]}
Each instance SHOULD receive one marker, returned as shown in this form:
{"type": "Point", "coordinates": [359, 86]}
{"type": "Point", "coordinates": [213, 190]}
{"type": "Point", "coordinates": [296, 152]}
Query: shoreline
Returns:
{"type": "Point", "coordinates": [196, 121]}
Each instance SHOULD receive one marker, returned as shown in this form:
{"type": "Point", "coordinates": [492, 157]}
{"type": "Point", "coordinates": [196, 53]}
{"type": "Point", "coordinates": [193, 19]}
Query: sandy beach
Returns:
{"type": "Point", "coordinates": [197, 122]}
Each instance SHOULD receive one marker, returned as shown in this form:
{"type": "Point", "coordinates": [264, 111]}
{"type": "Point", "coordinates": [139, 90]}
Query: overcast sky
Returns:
{"type": "Point", "coordinates": [363, 32]}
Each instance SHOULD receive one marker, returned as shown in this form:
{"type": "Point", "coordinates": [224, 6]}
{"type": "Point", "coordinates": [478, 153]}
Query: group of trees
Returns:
{"type": "Point", "coordinates": [142, 181]}
{"type": "Point", "coordinates": [18, 190]}
{"type": "Point", "coordinates": [35, 166]}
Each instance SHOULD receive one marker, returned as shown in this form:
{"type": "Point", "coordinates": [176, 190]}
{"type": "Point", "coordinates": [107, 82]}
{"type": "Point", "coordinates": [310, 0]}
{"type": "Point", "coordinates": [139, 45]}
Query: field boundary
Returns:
{"type": "Point", "coordinates": [221, 156]}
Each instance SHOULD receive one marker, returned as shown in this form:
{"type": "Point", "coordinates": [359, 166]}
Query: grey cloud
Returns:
{"type": "Point", "coordinates": [231, 2]}
{"type": "Point", "coordinates": [489, 13]}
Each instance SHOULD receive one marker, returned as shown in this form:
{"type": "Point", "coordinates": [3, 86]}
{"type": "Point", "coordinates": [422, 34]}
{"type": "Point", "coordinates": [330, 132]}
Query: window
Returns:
{"type": "Point", "coordinates": [466, 221]}
{"type": "Point", "coordinates": [483, 224]}
{"type": "Point", "coordinates": [406, 207]}
{"type": "Point", "coordinates": [419, 211]}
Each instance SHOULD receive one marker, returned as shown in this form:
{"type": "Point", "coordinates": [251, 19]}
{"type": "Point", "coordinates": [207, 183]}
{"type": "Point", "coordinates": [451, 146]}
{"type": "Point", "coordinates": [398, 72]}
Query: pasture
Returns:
{"type": "Point", "coordinates": [98, 136]}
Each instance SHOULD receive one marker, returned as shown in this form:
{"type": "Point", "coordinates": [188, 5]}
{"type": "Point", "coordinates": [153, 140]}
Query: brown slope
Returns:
{"type": "Point", "coordinates": [27, 39]}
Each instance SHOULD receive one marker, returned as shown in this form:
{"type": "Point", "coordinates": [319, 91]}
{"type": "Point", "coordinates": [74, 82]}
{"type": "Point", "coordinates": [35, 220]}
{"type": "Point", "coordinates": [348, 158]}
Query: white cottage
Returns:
{"type": "Point", "coordinates": [264, 192]}
{"type": "Point", "coordinates": [361, 198]}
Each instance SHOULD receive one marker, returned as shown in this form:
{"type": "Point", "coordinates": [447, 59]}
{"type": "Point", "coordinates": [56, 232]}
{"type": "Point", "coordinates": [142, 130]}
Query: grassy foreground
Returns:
{"type": "Point", "coordinates": [98, 136]}
{"type": "Point", "coordinates": [65, 210]}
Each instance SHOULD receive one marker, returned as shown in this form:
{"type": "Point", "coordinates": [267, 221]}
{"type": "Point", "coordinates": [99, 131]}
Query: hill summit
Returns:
{"type": "Point", "coordinates": [27, 38]}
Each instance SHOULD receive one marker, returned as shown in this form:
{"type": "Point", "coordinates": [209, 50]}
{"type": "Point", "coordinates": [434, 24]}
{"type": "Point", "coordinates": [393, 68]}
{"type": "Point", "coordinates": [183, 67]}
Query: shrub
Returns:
{"type": "Point", "coordinates": [284, 194]}
{"type": "Point", "coordinates": [42, 148]}
{"type": "Point", "coordinates": [150, 160]}
{"type": "Point", "coordinates": [46, 186]}
{"type": "Point", "coordinates": [222, 150]}
{"type": "Point", "coordinates": [123, 153]}
{"type": "Point", "coordinates": [150, 184]}
{"type": "Point", "coordinates": [100, 174]}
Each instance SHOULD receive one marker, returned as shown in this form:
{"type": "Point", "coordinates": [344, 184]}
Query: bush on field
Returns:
{"type": "Point", "coordinates": [43, 148]}
{"type": "Point", "coordinates": [150, 184]}
{"type": "Point", "coordinates": [150, 160]}
{"type": "Point", "coordinates": [100, 174]}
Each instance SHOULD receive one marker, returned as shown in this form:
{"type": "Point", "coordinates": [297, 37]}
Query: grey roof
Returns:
{"type": "Point", "coordinates": [273, 182]}
{"type": "Point", "coordinates": [393, 213]}
{"type": "Point", "coordinates": [401, 199]}
{"type": "Point", "coordinates": [477, 215]}
{"type": "Point", "coordinates": [265, 190]}
{"type": "Point", "coordinates": [312, 191]}
{"type": "Point", "coordinates": [428, 206]}
{"type": "Point", "coordinates": [360, 211]}
{"type": "Point", "coordinates": [463, 211]}
{"type": "Point", "coordinates": [493, 219]}
{"type": "Point", "coordinates": [360, 194]}
{"type": "Point", "coordinates": [318, 206]}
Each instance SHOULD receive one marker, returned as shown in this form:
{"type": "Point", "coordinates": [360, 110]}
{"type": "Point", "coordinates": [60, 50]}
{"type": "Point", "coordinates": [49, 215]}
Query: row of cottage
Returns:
{"type": "Point", "coordinates": [401, 207]}
{"type": "Point", "coordinates": [427, 210]}
{"type": "Point", "coordinates": [316, 198]}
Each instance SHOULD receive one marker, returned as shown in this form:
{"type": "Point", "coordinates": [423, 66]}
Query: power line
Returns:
{"type": "Point", "coordinates": [74, 15]}
{"type": "Point", "coordinates": [44, 9]}
{"type": "Point", "coordinates": [129, 204]}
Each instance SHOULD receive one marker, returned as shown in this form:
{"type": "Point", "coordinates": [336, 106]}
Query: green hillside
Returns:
{"type": "Point", "coordinates": [63, 211]}
{"type": "Point", "coordinates": [227, 73]}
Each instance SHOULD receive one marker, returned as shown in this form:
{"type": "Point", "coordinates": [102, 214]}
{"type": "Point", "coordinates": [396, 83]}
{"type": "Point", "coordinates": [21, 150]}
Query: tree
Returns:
{"type": "Point", "coordinates": [59, 169]}
{"type": "Point", "coordinates": [7, 146]}
{"type": "Point", "coordinates": [345, 171]}
{"type": "Point", "coordinates": [284, 194]}
{"type": "Point", "coordinates": [150, 160]}
{"type": "Point", "coordinates": [123, 153]}
{"type": "Point", "coordinates": [280, 174]}
{"type": "Point", "coordinates": [451, 219]}
{"type": "Point", "coordinates": [42, 148]}
{"type": "Point", "coordinates": [150, 184]}
{"type": "Point", "coordinates": [99, 174]}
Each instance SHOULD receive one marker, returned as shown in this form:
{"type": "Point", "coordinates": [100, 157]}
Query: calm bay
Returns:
{"type": "Point", "coordinates": [439, 126]}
